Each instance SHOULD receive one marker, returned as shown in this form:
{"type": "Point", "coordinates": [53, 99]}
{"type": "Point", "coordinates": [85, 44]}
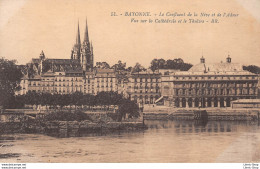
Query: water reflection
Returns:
{"type": "Point", "coordinates": [197, 126]}
{"type": "Point", "coordinates": [163, 141]}
{"type": "Point", "coordinates": [179, 126]}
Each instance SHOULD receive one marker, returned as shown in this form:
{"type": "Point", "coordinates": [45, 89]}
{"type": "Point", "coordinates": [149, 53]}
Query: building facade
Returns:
{"type": "Point", "coordinates": [105, 80]}
{"type": "Point", "coordinates": [204, 85]}
{"type": "Point", "coordinates": [209, 85]}
{"type": "Point", "coordinates": [144, 87]}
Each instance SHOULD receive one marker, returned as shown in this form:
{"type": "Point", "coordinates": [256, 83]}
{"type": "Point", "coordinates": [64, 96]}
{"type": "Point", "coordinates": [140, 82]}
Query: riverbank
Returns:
{"type": "Point", "coordinates": [67, 124]}
{"type": "Point", "coordinates": [69, 128]}
{"type": "Point", "coordinates": [169, 113]}
{"type": "Point", "coordinates": [164, 141]}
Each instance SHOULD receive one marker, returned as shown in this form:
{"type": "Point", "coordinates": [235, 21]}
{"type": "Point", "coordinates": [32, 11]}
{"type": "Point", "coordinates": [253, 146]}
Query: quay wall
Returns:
{"type": "Point", "coordinates": [68, 128]}
{"type": "Point", "coordinates": [216, 114]}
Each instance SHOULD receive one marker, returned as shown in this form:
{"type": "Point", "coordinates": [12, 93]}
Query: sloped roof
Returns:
{"type": "Point", "coordinates": [63, 61]}
{"type": "Point", "coordinates": [36, 60]}
{"type": "Point", "coordinates": [63, 65]}
{"type": "Point", "coordinates": [99, 70]}
{"type": "Point", "coordinates": [181, 73]}
{"type": "Point", "coordinates": [89, 73]}
{"type": "Point", "coordinates": [74, 71]}
{"type": "Point", "coordinates": [217, 67]}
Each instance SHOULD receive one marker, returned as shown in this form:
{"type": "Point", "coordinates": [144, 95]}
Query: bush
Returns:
{"type": "Point", "coordinates": [67, 116]}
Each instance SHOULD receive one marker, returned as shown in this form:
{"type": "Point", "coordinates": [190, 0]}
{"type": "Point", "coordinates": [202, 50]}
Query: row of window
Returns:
{"type": "Point", "coordinates": [63, 80]}
{"type": "Point", "coordinates": [146, 80]}
{"type": "Point", "coordinates": [105, 86]}
{"type": "Point", "coordinates": [216, 85]}
{"type": "Point", "coordinates": [215, 92]}
{"type": "Point", "coordinates": [213, 77]}
{"type": "Point", "coordinates": [144, 87]}
{"type": "Point", "coordinates": [147, 91]}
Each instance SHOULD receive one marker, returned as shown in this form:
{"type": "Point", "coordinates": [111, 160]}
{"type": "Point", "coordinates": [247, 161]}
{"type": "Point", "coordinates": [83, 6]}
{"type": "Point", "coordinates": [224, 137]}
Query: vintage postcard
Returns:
{"type": "Point", "coordinates": [169, 81]}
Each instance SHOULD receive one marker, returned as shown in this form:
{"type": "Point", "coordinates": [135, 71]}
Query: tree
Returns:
{"type": "Point", "coordinates": [92, 101]}
{"type": "Point", "coordinates": [10, 77]}
{"type": "Point", "coordinates": [102, 65]}
{"type": "Point", "coordinates": [177, 64]}
{"type": "Point", "coordinates": [154, 65]}
{"type": "Point", "coordinates": [46, 99]}
{"type": "Point", "coordinates": [129, 69]}
{"type": "Point", "coordinates": [138, 68]}
{"type": "Point", "coordinates": [63, 100]}
{"type": "Point", "coordinates": [252, 68]}
{"type": "Point", "coordinates": [115, 98]}
{"type": "Point", "coordinates": [102, 98]}
{"type": "Point", "coordinates": [119, 66]}
{"type": "Point", "coordinates": [33, 98]}
{"type": "Point", "coordinates": [77, 99]}
{"type": "Point", "coordinates": [128, 107]}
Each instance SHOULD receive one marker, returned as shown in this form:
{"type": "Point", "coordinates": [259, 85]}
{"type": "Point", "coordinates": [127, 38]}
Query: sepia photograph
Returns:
{"type": "Point", "coordinates": [120, 81]}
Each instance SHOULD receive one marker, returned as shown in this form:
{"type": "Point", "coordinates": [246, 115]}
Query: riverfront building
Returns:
{"type": "Point", "coordinates": [209, 85]}
{"type": "Point", "coordinates": [144, 87]}
{"type": "Point", "coordinates": [204, 85]}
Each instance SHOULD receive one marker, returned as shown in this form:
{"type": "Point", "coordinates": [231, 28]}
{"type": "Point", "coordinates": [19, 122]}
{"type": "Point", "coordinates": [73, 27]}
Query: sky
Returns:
{"type": "Point", "coordinates": [29, 26]}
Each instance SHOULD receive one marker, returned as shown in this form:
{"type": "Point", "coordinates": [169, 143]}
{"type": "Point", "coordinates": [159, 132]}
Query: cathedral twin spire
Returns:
{"type": "Point", "coordinates": [78, 36]}
{"type": "Point", "coordinates": [83, 52]}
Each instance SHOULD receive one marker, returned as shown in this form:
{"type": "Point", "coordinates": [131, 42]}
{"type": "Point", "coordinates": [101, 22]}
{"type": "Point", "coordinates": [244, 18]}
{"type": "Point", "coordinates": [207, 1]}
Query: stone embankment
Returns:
{"type": "Point", "coordinates": [213, 114]}
{"type": "Point", "coordinates": [16, 122]}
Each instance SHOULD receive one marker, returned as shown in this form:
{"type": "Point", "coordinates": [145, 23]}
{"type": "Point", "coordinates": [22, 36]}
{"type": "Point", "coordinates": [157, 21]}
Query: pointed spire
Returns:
{"type": "Point", "coordinates": [78, 36]}
{"type": "Point", "coordinates": [91, 49]}
{"type": "Point", "coordinates": [86, 38]}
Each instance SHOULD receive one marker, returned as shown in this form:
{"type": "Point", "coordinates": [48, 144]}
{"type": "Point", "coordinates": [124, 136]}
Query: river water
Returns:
{"type": "Point", "coordinates": [163, 141]}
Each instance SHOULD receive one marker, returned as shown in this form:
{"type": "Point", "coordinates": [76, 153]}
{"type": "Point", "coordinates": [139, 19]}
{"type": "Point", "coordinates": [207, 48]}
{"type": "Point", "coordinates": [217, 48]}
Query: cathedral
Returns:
{"type": "Point", "coordinates": [81, 59]}
{"type": "Point", "coordinates": [203, 85]}
{"type": "Point", "coordinates": [83, 51]}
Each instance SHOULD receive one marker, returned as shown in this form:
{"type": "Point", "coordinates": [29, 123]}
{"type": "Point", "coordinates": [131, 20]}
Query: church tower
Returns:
{"type": "Point", "coordinates": [75, 52]}
{"type": "Point", "coordinates": [86, 52]}
{"type": "Point", "coordinates": [42, 59]}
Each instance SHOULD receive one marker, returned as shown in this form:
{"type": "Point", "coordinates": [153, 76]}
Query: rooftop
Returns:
{"type": "Point", "coordinates": [180, 73]}
{"type": "Point", "coordinates": [217, 67]}
{"type": "Point", "coordinates": [100, 70]}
